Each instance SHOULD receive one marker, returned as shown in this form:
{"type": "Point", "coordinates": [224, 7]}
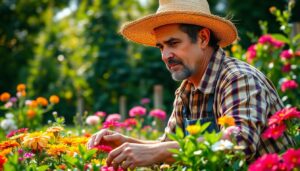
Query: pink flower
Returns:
{"type": "Point", "coordinates": [286, 68]}
{"type": "Point", "coordinates": [103, 148]}
{"type": "Point", "coordinates": [113, 117]}
{"type": "Point", "coordinates": [292, 158]}
{"type": "Point", "coordinates": [137, 111]}
{"type": "Point", "coordinates": [106, 168]}
{"type": "Point", "coordinates": [92, 120]}
{"type": "Point", "coordinates": [145, 101]}
{"type": "Point", "coordinates": [284, 114]}
{"type": "Point", "coordinates": [286, 54]}
{"type": "Point", "coordinates": [277, 43]}
{"type": "Point", "coordinates": [101, 114]}
{"type": "Point", "coordinates": [251, 53]}
{"type": "Point", "coordinates": [231, 131]}
{"type": "Point", "coordinates": [267, 162]}
{"type": "Point", "coordinates": [265, 39]}
{"type": "Point", "coordinates": [158, 113]}
{"type": "Point", "coordinates": [274, 131]}
{"type": "Point", "coordinates": [111, 124]}
{"type": "Point", "coordinates": [130, 122]}
{"type": "Point", "coordinates": [288, 84]}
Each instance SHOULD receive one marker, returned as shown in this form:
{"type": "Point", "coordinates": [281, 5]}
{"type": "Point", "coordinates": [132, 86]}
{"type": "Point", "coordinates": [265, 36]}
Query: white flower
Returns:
{"type": "Point", "coordinates": [222, 145]}
{"type": "Point", "coordinates": [9, 115]}
{"type": "Point", "coordinates": [92, 120]}
{"type": "Point", "coordinates": [8, 105]}
{"type": "Point", "coordinates": [8, 124]}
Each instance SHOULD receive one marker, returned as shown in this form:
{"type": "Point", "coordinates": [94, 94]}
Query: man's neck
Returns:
{"type": "Point", "coordinates": [202, 68]}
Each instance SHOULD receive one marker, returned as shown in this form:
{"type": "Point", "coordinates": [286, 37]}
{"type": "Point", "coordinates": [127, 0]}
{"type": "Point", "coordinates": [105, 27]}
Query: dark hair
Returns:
{"type": "Point", "coordinates": [192, 31]}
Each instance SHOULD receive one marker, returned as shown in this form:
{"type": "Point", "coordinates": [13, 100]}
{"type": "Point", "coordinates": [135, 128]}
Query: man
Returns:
{"type": "Point", "coordinates": [191, 39]}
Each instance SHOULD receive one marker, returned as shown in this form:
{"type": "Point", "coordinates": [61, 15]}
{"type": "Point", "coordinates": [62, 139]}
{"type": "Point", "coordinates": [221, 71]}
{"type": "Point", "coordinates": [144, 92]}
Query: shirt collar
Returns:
{"type": "Point", "coordinates": [210, 77]}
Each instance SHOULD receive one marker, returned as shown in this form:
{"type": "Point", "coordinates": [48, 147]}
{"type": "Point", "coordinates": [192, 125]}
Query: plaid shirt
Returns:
{"type": "Point", "coordinates": [239, 91]}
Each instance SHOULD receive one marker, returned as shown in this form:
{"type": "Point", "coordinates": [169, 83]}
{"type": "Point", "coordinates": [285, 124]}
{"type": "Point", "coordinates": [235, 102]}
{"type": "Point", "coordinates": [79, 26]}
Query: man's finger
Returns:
{"type": "Point", "coordinates": [112, 137]}
{"type": "Point", "coordinates": [91, 142]}
{"type": "Point", "coordinates": [113, 154]}
{"type": "Point", "coordinates": [126, 164]}
{"type": "Point", "coordinates": [118, 161]}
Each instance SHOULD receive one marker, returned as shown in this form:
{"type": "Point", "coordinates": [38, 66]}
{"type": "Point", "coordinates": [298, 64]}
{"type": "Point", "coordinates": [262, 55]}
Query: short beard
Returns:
{"type": "Point", "coordinates": [181, 75]}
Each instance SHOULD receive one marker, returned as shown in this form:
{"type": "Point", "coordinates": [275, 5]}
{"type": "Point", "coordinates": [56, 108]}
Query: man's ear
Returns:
{"type": "Point", "coordinates": [203, 37]}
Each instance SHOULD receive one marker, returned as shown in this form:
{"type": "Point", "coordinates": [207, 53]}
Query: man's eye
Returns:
{"type": "Point", "coordinates": [173, 43]}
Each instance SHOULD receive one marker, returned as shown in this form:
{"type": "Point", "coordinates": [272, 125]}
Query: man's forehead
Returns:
{"type": "Point", "coordinates": [165, 32]}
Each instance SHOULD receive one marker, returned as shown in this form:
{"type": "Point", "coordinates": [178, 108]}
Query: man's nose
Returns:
{"type": "Point", "coordinates": [166, 54]}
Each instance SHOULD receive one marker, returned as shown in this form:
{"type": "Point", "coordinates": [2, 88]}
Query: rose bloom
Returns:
{"type": "Point", "coordinates": [137, 111]}
{"type": "Point", "coordinates": [158, 113]}
{"type": "Point", "coordinates": [288, 84]}
{"type": "Point", "coordinates": [92, 120]}
{"type": "Point", "coordinates": [274, 131]}
{"type": "Point", "coordinates": [113, 117]}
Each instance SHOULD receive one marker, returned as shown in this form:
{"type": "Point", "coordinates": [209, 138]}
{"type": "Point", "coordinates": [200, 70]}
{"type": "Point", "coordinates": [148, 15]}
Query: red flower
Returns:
{"type": "Point", "coordinates": [288, 84]}
{"type": "Point", "coordinates": [274, 131]}
{"type": "Point", "coordinates": [3, 159]}
{"type": "Point", "coordinates": [284, 114]}
{"type": "Point", "coordinates": [137, 111]}
{"type": "Point", "coordinates": [267, 162]}
{"type": "Point", "coordinates": [292, 158]}
{"type": "Point", "coordinates": [103, 148]}
{"type": "Point", "coordinates": [130, 122]}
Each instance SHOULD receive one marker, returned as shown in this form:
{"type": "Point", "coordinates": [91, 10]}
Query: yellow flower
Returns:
{"type": "Point", "coordinates": [21, 87]}
{"type": "Point", "coordinates": [193, 129]}
{"type": "Point", "coordinates": [226, 121]}
{"type": "Point", "coordinates": [96, 161]}
{"type": "Point", "coordinates": [235, 48]}
{"type": "Point", "coordinates": [72, 150]}
{"type": "Point", "coordinates": [54, 99]}
{"type": "Point", "coordinates": [4, 97]}
{"type": "Point", "coordinates": [5, 152]}
{"type": "Point", "coordinates": [36, 140]}
{"type": "Point", "coordinates": [56, 150]}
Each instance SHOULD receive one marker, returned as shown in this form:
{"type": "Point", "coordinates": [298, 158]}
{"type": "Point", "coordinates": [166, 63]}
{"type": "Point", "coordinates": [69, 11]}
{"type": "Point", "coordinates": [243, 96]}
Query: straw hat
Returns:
{"type": "Point", "coordinates": [179, 11]}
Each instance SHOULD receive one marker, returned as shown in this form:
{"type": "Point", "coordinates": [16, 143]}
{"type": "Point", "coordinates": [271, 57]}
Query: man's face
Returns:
{"type": "Point", "coordinates": [181, 56]}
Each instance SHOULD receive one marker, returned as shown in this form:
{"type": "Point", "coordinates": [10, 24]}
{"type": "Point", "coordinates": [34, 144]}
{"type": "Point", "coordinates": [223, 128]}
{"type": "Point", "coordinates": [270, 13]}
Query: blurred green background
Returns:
{"type": "Point", "coordinates": [73, 49]}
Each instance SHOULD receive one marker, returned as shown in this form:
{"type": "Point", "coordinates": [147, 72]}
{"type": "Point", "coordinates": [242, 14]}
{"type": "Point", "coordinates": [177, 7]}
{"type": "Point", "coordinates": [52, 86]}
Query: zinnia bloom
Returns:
{"type": "Point", "coordinates": [267, 162]}
{"type": "Point", "coordinates": [286, 54]}
{"type": "Point", "coordinates": [292, 158]}
{"type": "Point", "coordinates": [226, 121]}
{"type": "Point", "coordinates": [111, 124]}
{"type": "Point", "coordinates": [55, 129]}
{"type": "Point", "coordinates": [288, 85]}
{"type": "Point", "coordinates": [284, 114]}
{"type": "Point", "coordinates": [274, 131]}
{"type": "Point", "coordinates": [57, 149]}
{"type": "Point", "coordinates": [36, 140]}
{"type": "Point", "coordinates": [158, 113]}
{"type": "Point", "coordinates": [8, 144]}
{"type": "Point", "coordinates": [251, 53]}
{"type": "Point", "coordinates": [137, 111]}
{"type": "Point", "coordinates": [113, 117]}
{"type": "Point", "coordinates": [103, 148]}
{"type": "Point", "coordinates": [92, 120]}
{"type": "Point", "coordinates": [130, 122]}
{"type": "Point", "coordinates": [286, 68]}
{"type": "Point", "coordinates": [222, 145]}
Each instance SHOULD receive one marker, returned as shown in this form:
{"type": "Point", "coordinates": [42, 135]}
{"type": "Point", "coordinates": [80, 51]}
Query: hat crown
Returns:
{"type": "Point", "coordinates": [183, 5]}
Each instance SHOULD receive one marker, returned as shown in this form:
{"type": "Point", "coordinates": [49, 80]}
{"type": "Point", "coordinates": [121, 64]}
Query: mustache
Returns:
{"type": "Point", "coordinates": [172, 61]}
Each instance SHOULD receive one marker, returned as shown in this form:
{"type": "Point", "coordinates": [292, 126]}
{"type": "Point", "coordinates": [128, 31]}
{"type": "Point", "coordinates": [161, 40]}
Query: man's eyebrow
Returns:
{"type": "Point", "coordinates": [167, 41]}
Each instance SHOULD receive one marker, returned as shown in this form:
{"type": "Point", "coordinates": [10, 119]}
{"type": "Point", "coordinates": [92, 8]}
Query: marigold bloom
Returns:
{"type": "Point", "coordinates": [42, 101]}
{"type": "Point", "coordinates": [288, 85]}
{"type": "Point", "coordinates": [21, 87]}
{"type": "Point", "coordinates": [33, 104]}
{"type": "Point", "coordinates": [57, 149]}
{"type": "Point", "coordinates": [36, 140]}
{"type": "Point", "coordinates": [4, 97]}
{"type": "Point", "coordinates": [226, 121]}
{"type": "Point", "coordinates": [8, 144]}
{"type": "Point", "coordinates": [266, 162]}
{"type": "Point", "coordinates": [54, 99]}
{"type": "Point", "coordinates": [193, 129]}
{"type": "Point", "coordinates": [55, 129]}
{"type": "Point", "coordinates": [31, 113]}
{"type": "Point", "coordinates": [137, 111]}
{"type": "Point", "coordinates": [274, 131]}
{"type": "Point", "coordinates": [292, 158]}
{"type": "Point", "coordinates": [6, 151]}
{"type": "Point", "coordinates": [158, 113]}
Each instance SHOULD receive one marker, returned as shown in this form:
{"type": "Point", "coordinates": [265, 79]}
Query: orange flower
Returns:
{"type": "Point", "coordinates": [54, 99]}
{"type": "Point", "coordinates": [23, 93]}
{"type": "Point", "coordinates": [42, 101]}
{"type": "Point", "coordinates": [8, 144]}
{"type": "Point", "coordinates": [226, 121]}
{"type": "Point", "coordinates": [5, 152]}
{"type": "Point", "coordinates": [193, 129]}
{"type": "Point", "coordinates": [21, 87]}
{"type": "Point", "coordinates": [31, 113]}
{"type": "Point", "coordinates": [36, 140]}
{"type": "Point", "coordinates": [5, 97]}
{"type": "Point", "coordinates": [33, 104]}
{"type": "Point", "coordinates": [272, 9]}
{"type": "Point", "coordinates": [56, 150]}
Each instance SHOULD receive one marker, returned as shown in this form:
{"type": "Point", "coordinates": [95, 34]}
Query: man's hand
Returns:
{"type": "Point", "coordinates": [106, 137]}
{"type": "Point", "coordinates": [131, 155]}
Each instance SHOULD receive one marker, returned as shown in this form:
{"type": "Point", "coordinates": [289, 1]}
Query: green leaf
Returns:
{"type": "Point", "coordinates": [204, 126]}
{"type": "Point", "coordinates": [70, 160]}
{"type": "Point", "coordinates": [42, 168]}
{"type": "Point", "coordinates": [281, 37]}
{"type": "Point", "coordinates": [179, 132]}
{"type": "Point", "coordinates": [296, 38]}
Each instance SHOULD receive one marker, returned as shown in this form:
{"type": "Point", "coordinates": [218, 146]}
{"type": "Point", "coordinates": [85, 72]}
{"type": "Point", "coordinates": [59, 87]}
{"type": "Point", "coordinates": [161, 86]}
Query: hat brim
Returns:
{"type": "Point", "coordinates": [142, 30]}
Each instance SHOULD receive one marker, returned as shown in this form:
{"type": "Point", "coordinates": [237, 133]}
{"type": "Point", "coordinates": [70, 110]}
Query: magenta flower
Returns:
{"type": "Point", "coordinates": [284, 114]}
{"type": "Point", "coordinates": [113, 117]}
{"type": "Point", "coordinates": [251, 53]}
{"type": "Point", "coordinates": [111, 124]}
{"type": "Point", "coordinates": [101, 114]}
{"type": "Point", "coordinates": [137, 111]}
{"type": "Point", "coordinates": [106, 168]}
{"type": "Point", "coordinates": [158, 113]}
{"type": "Point", "coordinates": [274, 131]}
{"type": "Point", "coordinates": [231, 131]}
{"type": "Point", "coordinates": [292, 158]}
{"type": "Point", "coordinates": [277, 43]}
{"type": "Point", "coordinates": [28, 155]}
{"type": "Point", "coordinates": [92, 120]}
{"type": "Point", "coordinates": [145, 101]}
{"type": "Point", "coordinates": [267, 162]}
{"type": "Point", "coordinates": [103, 148]}
{"type": "Point", "coordinates": [286, 68]}
{"type": "Point", "coordinates": [15, 132]}
{"type": "Point", "coordinates": [286, 54]}
{"type": "Point", "coordinates": [268, 39]}
{"type": "Point", "coordinates": [130, 122]}
{"type": "Point", "coordinates": [288, 84]}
